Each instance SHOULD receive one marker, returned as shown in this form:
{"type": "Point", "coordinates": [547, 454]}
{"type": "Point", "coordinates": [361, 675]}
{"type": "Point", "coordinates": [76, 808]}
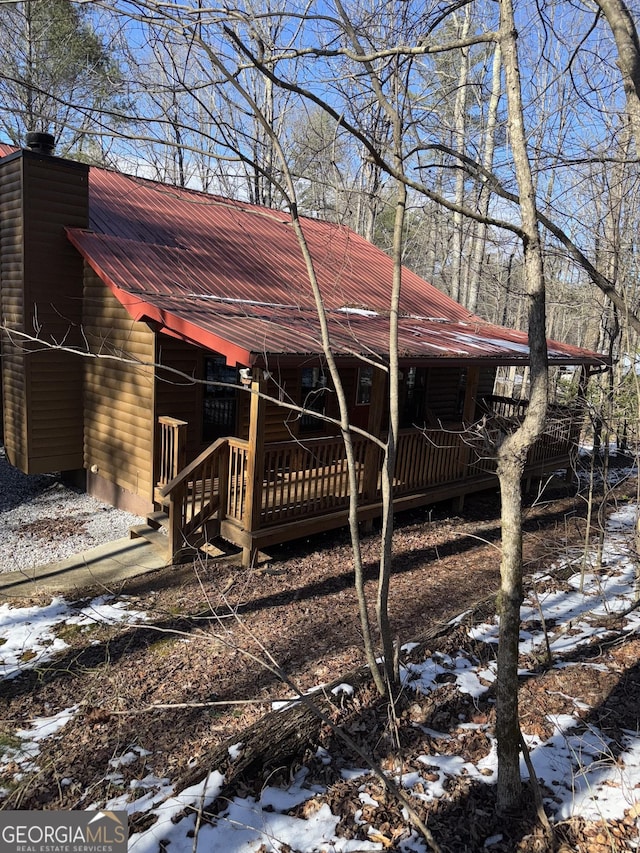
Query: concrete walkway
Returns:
{"type": "Point", "coordinates": [99, 568]}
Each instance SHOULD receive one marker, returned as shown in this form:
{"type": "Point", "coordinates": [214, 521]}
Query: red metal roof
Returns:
{"type": "Point", "coordinates": [211, 245]}
{"type": "Point", "coordinates": [230, 276]}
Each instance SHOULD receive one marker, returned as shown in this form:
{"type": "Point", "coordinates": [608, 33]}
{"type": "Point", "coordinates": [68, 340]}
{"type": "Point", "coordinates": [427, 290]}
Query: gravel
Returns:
{"type": "Point", "coordinates": [42, 520]}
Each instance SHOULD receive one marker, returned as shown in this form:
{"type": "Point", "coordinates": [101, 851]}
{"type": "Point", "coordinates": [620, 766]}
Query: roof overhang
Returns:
{"type": "Point", "coordinates": [141, 308]}
{"type": "Point", "coordinates": [247, 331]}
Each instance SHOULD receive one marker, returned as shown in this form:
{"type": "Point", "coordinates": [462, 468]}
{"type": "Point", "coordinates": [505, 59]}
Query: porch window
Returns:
{"type": "Point", "coordinates": [365, 381]}
{"type": "Point", "coordinates": [219, 404]}
{"type": "Point", "coordinates": [462, 391]}
{"type": "Point", "coordinates": [314, 397]}
{"type": "Point", "coordinates": [414, 384]}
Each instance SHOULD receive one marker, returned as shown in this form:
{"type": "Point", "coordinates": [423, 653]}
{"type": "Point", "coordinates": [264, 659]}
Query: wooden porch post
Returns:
{"type": "Point", "coordinates": [255, 468]}
{"type": "Point", "coordinates": [468, 415]}
{"type": "Point", "coordinates": [372, 454]}
{"type": "Point", "coordinates": [173, 448]}
{"type": "Point", "coordinates": [176, 522]}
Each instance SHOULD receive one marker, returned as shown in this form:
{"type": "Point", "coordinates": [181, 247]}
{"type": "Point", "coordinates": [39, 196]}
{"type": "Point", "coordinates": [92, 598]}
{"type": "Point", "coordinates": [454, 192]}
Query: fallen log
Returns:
{"type": "Point", "coordinates": [281, 738]}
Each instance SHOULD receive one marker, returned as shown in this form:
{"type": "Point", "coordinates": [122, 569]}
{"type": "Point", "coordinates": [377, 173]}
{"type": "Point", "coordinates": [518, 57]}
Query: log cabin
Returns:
{"type": "Point", "coordinates": [163, 346]}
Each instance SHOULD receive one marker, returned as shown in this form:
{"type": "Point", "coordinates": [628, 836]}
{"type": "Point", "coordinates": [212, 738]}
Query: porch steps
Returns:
{"type": "Point", "coordinates": [151, 534]}
{"type": "Point", "coordinates": [158, 520]}
{"type": "Point", "coordinates": [220, 549]}
{"type": "Point", "coordinates": [155, 532]}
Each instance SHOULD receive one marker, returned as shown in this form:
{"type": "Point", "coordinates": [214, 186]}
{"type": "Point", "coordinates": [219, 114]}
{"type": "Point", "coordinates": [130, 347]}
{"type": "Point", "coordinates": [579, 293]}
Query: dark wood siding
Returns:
{"type": "Point", "coordinates": [12, 311]}
{"type": "Point", "coordinates": [280, 423]}
{"type": "Point", "coordinates": [485, 385]}
{"type": "Point", "coordinates": [42, 298]}
{"type": "Point", "coordinates": [119, 395]}
{"type": "Point", "coordinates": [176, 395]}
{"type": "Point", "coordinates": [445, 393]}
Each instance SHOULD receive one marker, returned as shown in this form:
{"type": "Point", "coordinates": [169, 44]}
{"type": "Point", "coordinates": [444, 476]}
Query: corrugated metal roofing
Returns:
{"type": "Point", "coordinates": [211, 245]}
{"type": "Point", "coordinates": [231, 277]}
{"type": "Point", "coordinates": [246, 329]}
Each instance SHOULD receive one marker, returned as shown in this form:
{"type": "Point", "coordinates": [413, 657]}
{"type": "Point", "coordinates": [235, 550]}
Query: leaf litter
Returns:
{"type": "Point", "coordinates": [579, 717]}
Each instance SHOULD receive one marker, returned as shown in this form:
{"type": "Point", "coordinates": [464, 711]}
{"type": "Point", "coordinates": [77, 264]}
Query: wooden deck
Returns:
{"type": "Point", "coordinates": [293, 489]}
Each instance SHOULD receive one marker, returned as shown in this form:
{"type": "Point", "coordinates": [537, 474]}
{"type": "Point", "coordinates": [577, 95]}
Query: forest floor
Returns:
{"type": "Point", "coordinates": [121, 701]}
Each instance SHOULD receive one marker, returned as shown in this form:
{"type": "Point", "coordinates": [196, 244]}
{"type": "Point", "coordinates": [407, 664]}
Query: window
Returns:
{"type": "Point", "coordinates": [313, 383]}
{"type": "Point", "coordinates": [462, 391]}
{"type": "Point", "coordinates": [365, 380]}
{"type": "Point", "coordinates": [219, 403]}
{"type": "Point", "coordinates": [413, 391]}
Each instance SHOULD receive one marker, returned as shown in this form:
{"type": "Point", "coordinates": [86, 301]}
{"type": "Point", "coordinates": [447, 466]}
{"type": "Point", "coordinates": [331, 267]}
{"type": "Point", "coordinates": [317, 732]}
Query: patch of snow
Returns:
{"type": "Point", "coordinates": [585, 772]}
{"type": "Point", "coordinates": [283, 704]}
{"type": "Point", "coordinates": [27, 637]}
{"type": "Point", "coordinates": [129, 757]}
{"type": "Point", "coordinates": [170, 832]}
{"type": "Point", "coordinates": [28, 634]}
{"type": "Point", "coordinates": [156, 791]}
{"type": "Point", "coordinates": [40, 729]}
{"type": "Point", "coordinates": [235, 751]}
{"type": "Point", "coordinates": [347, 689]}
{"type": "Point", "coordinates": [246, 823]}
{"type": "Point", "coordinates": [361, 312]}
{"type": "Point", "coordinates": [586, 778]}
{"type": "Point", "coordinates": [367, 799]}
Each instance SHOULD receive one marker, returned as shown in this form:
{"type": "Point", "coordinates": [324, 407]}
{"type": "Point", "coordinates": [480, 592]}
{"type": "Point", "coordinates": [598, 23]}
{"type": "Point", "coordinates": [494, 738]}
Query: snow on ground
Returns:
{"type": "Point", "coordinates": [28, 634]}
{"type": "Point", "coordinates": [585, 778]}
{"type": "Point", "coordinates": [43, 521]}
{"type": "Point", "coordinates": [28, 638]}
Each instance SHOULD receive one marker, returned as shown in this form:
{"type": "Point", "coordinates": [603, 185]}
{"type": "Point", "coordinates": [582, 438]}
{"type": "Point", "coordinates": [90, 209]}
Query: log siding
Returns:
{"type": "Point", "coordinates": [41, 278]}
{"type": "Point", "coordinates": [119, 397]}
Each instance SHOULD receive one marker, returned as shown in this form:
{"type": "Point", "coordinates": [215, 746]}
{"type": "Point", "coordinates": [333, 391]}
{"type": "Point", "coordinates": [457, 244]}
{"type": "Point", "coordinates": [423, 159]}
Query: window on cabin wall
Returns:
{"type": "Point", "coordinates": [365, 383]}
{"type": "Point", "coordinates": [413, 389]}
{"type": "Point", "coordinates": [220, 402]}
{"type": "Point", "coordinates": [462, 391]}
{"type": "Point", "coordinates": [313, 396]}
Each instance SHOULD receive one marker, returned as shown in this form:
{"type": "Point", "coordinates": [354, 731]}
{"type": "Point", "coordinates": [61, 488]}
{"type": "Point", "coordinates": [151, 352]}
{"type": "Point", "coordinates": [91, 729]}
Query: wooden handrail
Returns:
{"type": "Point", "coordinates": [172, 447]}
{"type": "Point", "coordinates": [299, 479]}
{"type": "Point", "coordinates": [186, 472]}
{"type": "Point", "coordinates": [197, 494]}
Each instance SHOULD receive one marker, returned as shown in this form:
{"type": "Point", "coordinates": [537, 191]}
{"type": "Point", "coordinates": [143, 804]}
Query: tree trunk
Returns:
{"type": "Point", "coordinates": [509, 601]}
{"type": "Point", "coordinates": [623, 29]}
{"type": "Point", "coordinates": [384, 575]}
{"type": "Point", "coordinates": [459, 130]}
{"type": "Point", "coordinates": [512, 454]}
{"type": "Point", "coordinates": [480, 240]}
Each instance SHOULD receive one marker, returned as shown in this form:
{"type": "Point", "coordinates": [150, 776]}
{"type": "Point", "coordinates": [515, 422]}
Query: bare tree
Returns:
{"type": "Point", "coordinates": [625, 33]}
{"type": "Point", "coordinates": [56, 73]}
{"type": "Point", "coordinates": [512, 453]}
{"type": "Point", "coordinates": [248, 54]}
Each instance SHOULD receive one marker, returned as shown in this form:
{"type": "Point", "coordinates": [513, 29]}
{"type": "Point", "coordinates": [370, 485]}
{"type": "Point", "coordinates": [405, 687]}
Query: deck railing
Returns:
{"type": "Point", "coordinates": [193, 496]}
{"type": "Point", "coordinates": [561, 431]}
{"type": "Point", "coordinates": [505, 407]}
{"type": "Point", "coordinates": [310, 477]}
{"type": "Point", "coordinates": [304, 478]}
{"type": "Point", "coordinates": [172, 448]}
{"type": "Point", "coordinates": [236, 479]}
{"type": "Point", "coordinates": [429, 457]}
